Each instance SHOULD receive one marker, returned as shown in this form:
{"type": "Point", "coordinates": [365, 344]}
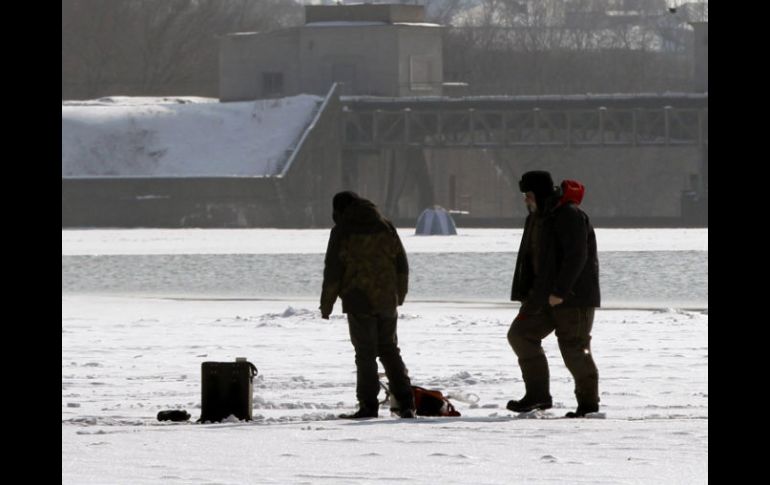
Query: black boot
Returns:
{"type": "Point", "coordinates": [537, 396]}
{"type": "Point", "coordinates": [582, 410]}
{"type": "Point", "coordinates": [407, 413]}
{"type": "Point", "coordinates": [364, 411]}
{"type": "Point", "coordinates": [534, 371]}
{"type": "Point", "coordinates": [528, 403]}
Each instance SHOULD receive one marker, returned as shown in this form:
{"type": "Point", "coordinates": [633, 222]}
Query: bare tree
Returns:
{"type": "Point", "coordinates": [443, 11]}
{"type": "Point", "coordinates": [91, 46]}
{"type": "Point", "coordinates": [156, 47]}
{"type": "Point", "coordinates": [569, 46]}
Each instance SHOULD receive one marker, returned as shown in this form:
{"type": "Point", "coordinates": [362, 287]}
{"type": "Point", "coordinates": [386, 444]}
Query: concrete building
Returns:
{"type": "Point", "coordinates": [387, 131]}
{"type": "Point", "coordinates": [369, 49]}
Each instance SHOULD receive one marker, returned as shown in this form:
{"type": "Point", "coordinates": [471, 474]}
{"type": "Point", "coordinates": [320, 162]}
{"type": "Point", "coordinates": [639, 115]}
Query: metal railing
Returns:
{"type": "Point", "coordinates": [371, 123]}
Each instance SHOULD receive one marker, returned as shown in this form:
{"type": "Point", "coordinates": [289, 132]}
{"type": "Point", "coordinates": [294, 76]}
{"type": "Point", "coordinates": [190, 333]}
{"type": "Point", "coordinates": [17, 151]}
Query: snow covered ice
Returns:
{"type": "Point", "coordinates": [132, 349]}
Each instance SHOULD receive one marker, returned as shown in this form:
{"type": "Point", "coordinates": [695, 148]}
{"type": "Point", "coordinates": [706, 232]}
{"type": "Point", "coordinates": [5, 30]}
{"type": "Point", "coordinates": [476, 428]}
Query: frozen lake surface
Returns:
{"type": "Point", "coordinates": [138, 319]}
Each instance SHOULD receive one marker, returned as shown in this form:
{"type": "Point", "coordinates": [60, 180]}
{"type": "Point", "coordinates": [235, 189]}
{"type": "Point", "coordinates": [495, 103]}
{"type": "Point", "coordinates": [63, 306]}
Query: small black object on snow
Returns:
{"type": "Point", "coordinates": [173, 415]}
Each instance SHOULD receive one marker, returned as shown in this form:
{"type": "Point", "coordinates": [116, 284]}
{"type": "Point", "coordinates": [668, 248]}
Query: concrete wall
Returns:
{"type": "Point", "coordinates": [420, 44]}
{"type": "Point", "coordinates": [372, 60]}
{"type": "Point", "coordinates": [395, 179]}
{"type": "Point", "coordinates": [643, 182]}
{"type": "Point", "coordinates": [244, 57]}
{"type": "Point", "coordinates": [624, 186]}
{"type": "Point", "coordinates": [315, 174]}
{"type": "Point", "coordinates": [643, 186]}
{"type": "Point", "coordinates": [478, 186]}
{"type": "Point", "coordinates": [369, 51]}
{"type": "Point", "coordinates": [169, 202]}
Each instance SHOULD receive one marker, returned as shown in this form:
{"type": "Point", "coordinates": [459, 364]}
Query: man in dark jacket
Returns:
{"type": "Point", "coordinates": [366, 267]}
{"type": "Point", "coordinates": [557, 280]}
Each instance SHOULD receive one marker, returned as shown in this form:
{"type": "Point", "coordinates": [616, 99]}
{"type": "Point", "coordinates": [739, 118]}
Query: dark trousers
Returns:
{"type": "Point", "coordinates": [573, 331]}
{"type": "Point", "coordinates": [374, 335]}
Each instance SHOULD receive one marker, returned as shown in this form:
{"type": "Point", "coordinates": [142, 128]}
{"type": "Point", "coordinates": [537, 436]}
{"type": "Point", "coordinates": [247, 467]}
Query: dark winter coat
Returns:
{"type": "Point", "coordinates": [365, 263]}
{"type": "Point", "coordinates": [558, 255]}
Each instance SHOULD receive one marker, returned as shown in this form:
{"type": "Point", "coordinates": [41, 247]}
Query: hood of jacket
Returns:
{"type": "Point", "coordinates": [362, 216]}
{"type": "Point", "coordinates": [569, 191]}
{"type": "Point", "coordinates": [572, 191]}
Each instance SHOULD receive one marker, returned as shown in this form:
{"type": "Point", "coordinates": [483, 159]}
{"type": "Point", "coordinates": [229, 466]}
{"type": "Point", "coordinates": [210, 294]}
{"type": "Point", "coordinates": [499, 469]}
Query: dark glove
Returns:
{"type": "Point", "coordinates": [325, 312]}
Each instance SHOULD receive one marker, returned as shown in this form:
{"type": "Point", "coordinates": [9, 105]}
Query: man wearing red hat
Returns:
{"type": "Point", "coordinates": [557, 282]}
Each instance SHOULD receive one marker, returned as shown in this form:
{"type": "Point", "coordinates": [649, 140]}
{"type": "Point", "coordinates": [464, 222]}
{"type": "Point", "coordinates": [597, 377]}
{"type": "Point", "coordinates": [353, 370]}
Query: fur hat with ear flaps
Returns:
{"type": "Point", "coordinates": [538, 182]}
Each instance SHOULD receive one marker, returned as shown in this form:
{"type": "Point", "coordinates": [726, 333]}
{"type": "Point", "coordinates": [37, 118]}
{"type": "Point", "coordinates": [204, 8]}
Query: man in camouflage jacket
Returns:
{"type": "Point", "coordinates": [366, 267]}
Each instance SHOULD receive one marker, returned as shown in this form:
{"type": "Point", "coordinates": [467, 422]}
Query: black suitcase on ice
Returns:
{"type": "Point", "coordinates": [227, 389]}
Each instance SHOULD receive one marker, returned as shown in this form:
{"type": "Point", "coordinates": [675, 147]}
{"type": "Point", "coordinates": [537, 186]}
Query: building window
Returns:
{"type": "Point", "coordinates": [272, 84]}
{"type": "Point", "coordinates": [420, 68]}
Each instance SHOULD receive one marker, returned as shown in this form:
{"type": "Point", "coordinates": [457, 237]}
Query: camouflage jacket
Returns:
{"type": "Point", "coordinates": [365, 263]}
